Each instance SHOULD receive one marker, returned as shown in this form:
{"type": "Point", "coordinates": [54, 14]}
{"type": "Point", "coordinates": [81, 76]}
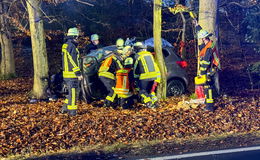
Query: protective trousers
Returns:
{"type": "Point", "coordinates": [208, 91]}
{"type": "Point", "coordinates": [109, 84]}
{"type": "Point", "coordinates": [73, 92]}
{"type": "Point", "coordinates": [145, 89]}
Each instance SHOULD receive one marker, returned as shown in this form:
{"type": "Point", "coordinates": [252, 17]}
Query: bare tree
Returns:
{"type": "Point", "coordinates": [40, 61]}
{"type": "Point", "coordinates": [7, 55]}
{"type": "Point", "coordinates": [157, 28]}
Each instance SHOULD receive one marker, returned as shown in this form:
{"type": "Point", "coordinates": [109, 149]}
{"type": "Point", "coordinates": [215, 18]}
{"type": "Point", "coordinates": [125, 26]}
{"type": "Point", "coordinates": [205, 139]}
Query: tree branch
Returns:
{"type": "Point", "coordinates": [173, 30]}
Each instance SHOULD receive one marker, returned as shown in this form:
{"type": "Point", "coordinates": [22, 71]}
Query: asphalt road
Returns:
{"type": "Point", "coordinates": [247, 153]}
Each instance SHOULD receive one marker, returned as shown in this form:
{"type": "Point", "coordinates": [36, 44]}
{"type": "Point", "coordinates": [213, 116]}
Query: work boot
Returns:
{"type": "Point", "coordinates": [209, 107]}
{"type": "Point", "coordinates": [64, 109]}
{"type": "Point", "coordinates": [72, 112]}
{"type": "Point", "coordinates": [149, 105]}
{"type": "Point", "coordinates": [156, 105]}
{"type": "Point", "coordinates": [107, 104]}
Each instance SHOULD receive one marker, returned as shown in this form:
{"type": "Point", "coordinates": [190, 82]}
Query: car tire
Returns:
{"type": "Point", "coordinates": [175, 88]}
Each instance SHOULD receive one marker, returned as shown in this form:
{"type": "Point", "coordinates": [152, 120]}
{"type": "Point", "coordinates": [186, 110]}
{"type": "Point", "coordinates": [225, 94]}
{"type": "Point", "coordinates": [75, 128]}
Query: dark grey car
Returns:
{"type": "Point", "coordinates": [92, 87]}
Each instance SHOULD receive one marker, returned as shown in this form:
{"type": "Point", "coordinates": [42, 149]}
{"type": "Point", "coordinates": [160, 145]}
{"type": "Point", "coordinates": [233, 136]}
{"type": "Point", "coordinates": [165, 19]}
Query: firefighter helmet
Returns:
{"type": "Point", "coordinates": [94, 37]}
{"type": "Point", "coordinates": [73, 32]}
{"type": "Point", "coordinates": [203, 33]}
{"type": "Point", "coordinates": [120, 43]}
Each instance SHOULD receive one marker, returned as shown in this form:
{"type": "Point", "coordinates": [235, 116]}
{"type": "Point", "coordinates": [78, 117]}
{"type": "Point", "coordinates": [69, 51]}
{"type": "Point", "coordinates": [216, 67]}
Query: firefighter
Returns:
{"type": "Point", "coordinates": [71, 71]}
{"type": "Point", "coordinates": [208, 65]}
{"type": "Point", "coordinates": [95, 44]}
{"type": "Point", "coordinates": [107, 74]}
{"type": "Point", "coordinates": [124, 79]}
{"type": "Point", "coordinates": [145, 72]}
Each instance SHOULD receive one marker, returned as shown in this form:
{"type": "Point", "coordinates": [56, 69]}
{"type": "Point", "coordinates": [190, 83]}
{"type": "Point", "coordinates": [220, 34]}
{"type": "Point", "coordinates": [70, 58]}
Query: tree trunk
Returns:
{"type": "Point", "coordinates": [208, 16]}
{"type": "Point", "coordinates": [157, 21]}
{"type": "Point", "coordinates": [183, 51]}
{"type": "Point", "coordinates": [40, 61]}
{"type": "Point", "coordinates": [7, 55]}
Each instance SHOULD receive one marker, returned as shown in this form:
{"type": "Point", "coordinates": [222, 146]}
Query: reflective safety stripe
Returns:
{"type": "Point", "coordinates": [148, 75]}
{"type": "Point", "coordinates": [210, 94]}
{"type": "Point", "coordinates": [72, 107]}
{"type": "Point", "coordinates": [204, 62]}
{"type": "Point", "coordinates": [145, 98]}
{"type": "Point", "coordinates": [209, 99]}
{"type": "Point", "coordinates": [67, 74]}
{"type": "Point", "coordinates": [154, 97]}
{"type": "Point", "coordinates": [107, 75]}
{"type": "Point", "coordinates": [75, 69]}
{"type": "Point", "coordinates": [111, 98]}
{"type": "Point", "coordinates": [66, 101]}
{"type": "Point", "coordinates": [203, 69]}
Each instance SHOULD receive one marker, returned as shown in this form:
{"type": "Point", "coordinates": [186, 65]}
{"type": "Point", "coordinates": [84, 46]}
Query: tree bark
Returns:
{"type": "Point", "coordinates": [157, 21]}
{"type": "Point", "coordinates": [208, 16]}
{"type": "Point", "coordinates": [40, 61]}
{"type": "Point", "coordinates": [7, 55]}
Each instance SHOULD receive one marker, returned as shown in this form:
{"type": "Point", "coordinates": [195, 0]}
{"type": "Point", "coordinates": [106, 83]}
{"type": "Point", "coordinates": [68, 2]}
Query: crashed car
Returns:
{"type": "Point", "coordinates": [93, 89]}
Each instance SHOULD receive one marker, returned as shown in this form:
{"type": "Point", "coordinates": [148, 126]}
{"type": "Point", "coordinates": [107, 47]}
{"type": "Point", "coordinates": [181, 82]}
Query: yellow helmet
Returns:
{"type": "Point", "coordinates": [120, 43]}
{"type": "Point", "coordinates": [73, 32]}
{"type": "Point", "coordinates": [203, 33]}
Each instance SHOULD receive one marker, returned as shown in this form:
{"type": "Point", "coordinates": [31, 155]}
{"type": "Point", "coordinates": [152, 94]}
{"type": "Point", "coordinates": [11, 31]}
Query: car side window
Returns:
{"type": "Point", "coordinates": [165, 53]}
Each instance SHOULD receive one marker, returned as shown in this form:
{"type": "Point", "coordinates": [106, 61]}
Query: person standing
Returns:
{"type": "Point", "coordinates": [71, 71]}
{"type": "Point", "coordinates": [208, 65]}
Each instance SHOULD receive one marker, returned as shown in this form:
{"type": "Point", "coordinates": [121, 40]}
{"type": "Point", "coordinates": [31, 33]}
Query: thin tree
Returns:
{"type": "Point", "coordinates": [7, 55]}
{"type": "Point", "coordinates": [40, 61]}
{"type": "Point", "coordinates": [157, 28]}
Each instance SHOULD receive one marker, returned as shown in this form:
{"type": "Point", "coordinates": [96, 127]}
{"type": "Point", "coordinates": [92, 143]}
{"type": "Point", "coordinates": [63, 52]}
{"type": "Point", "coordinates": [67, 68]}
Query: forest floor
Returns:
{"type": "Point", "coordinates": [40, 129]}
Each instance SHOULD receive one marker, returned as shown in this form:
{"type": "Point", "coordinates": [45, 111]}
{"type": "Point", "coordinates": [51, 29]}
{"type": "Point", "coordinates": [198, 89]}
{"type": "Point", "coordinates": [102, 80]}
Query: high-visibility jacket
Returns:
{"type": "Point", "coordinates": [122, 81]}
{"type": "Point", "coordinates": [70, 60]}
{"type": "Point", "coordinates": [109, 67]}
{"type": "Point", "coordinates": [209, 59]}
{"type": "Point", "coordinates": [145, 67]}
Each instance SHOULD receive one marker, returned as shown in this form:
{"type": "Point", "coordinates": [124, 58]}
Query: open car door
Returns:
{"type": "Point", "coordinates": [91, 86]}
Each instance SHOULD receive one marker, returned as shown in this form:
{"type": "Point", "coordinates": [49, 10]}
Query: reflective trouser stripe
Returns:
{"type": "Point", "coordinates": [146, 99]}
{"type": "Point", "coordinates": [66, 101]}
{"type": "Point", "coordinates": [154, 97]}
{"type": "Point", "coordinates": [209, 98]}
{"type": "Point", "coordinates": [73, 94]}
{"type": "Point", "coordinates": [73, 105]}
{"type": "Point", "coordinates": [111, 98]}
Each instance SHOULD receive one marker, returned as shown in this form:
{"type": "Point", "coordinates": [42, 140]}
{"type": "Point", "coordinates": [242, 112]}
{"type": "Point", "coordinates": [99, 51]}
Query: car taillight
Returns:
{"type": "Point", "coordinates": [182, 64]}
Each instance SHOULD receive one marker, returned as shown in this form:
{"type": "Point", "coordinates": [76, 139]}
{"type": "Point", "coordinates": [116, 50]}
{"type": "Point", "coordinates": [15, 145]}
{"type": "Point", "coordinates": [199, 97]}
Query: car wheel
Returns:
{"type": "Point", "coordinates": [175, 88]}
